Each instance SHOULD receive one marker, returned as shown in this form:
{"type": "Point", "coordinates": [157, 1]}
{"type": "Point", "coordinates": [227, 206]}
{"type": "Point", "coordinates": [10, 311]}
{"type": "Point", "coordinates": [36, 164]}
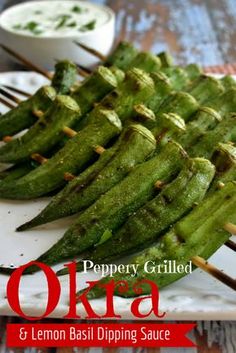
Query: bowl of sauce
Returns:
{"type": "Point", "coordinates": [45, 30]}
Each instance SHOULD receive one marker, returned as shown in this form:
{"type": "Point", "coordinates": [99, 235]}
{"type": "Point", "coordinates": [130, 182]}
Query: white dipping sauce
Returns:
{"type": "Point", "coordinates": [54, 18]}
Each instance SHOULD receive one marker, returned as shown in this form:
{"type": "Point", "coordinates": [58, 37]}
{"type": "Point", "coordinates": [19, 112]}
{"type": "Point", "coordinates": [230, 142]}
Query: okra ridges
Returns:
{"type": "Point", "coordinates": [106, 74]}
{"type": "Point", "coordinates": [143, 131]}
{"type": "Point", "coordinates": [139, 78]}
{"type": "Point", "coordinates": [68, 102]}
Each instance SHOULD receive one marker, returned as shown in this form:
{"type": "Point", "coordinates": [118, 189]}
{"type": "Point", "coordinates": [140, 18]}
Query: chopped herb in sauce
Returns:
{"type": "Point", "coordinates": [88, 26]}
{"type": "Point", "coordinates": [38, 12]}
{"type": "Point", "coordinates": [76, 9]}
{"type": "Point", "coordinates": [33, 27]}
{"type": "Point", "coordinates": [72, 24]}
{"type": "Point", "coordinates": [62, 21]}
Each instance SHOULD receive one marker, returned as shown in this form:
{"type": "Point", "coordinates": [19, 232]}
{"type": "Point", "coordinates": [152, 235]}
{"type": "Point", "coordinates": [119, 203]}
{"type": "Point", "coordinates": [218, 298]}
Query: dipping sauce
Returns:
{"type": "Point", "coordinates": [55, 18]}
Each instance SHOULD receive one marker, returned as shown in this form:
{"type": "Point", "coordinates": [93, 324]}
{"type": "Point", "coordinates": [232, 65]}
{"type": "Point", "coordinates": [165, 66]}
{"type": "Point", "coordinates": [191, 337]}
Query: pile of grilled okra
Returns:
{"type": "Point", "coordinates": [142, 151]}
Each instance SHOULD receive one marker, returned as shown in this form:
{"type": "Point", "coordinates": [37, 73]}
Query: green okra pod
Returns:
{"type": "Point", "coordinates": [135, 146]}
{"type": "Point", "coordinates": [205, 120]}
{"type": "Point", "coordinates": [122, 56]}
{"type": "Point", "coordinates": [146, 61]}
{"type": "Point", "coordinates": [137, 87]}
{"type": "Point", "coordinates": [224, 158]}
{"type": "Point", "coordinates": [166, 59]}
{"type": "Point", "coordinates": [193, 71]}
{"type": "Point", "coordinates": [72, 158]}
{"type": "Point", "coordinates": [224, 131]}
{"type": "Point", "coordinates": [156, 216]}
{"type": "Point", "coordinates": [45, 133]}
{"type": "Point", "coordinates": [199, 233]}
{"type": "Point", "coordinates": [163, 88]}
{"type": "Point", "coordinates": [205, 88]}
{"type": "Point", "coordinates": [22, 116]}
{"type": "Point", "coordinates": [64, 77]}
{"type": "Point", "coordinates": [17, 171]}
{"type": "Point", "coordinates": [119, 74]}
{"type": "Point", "coordinates": [228, 82]}
{"type": "Point", "coordinates": [177, 76]}
{"type": "Point", "coordinates": [111, 209]}
{"type": "Point", "coordinates": [94, 88]}
{"type": "Point", "coordinates": [180, 103]}
{"type": "Point", "coordinates": [224, 103]}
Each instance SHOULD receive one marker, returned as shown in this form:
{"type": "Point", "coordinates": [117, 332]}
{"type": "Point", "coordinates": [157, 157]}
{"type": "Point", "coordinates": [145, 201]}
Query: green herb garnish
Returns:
{"type": "Point", "coordinates": [72, 24]}
{"type": "Point", "coordinates": [33, 27]}
{"type": "Point", "coordinates": [88, 26]}
{"type": "Point", "coordinates": [37, 12]}
{"type": "Point", "coordinates": [62, 21]}
{"type": "Point", "coordinates": [76, 9]}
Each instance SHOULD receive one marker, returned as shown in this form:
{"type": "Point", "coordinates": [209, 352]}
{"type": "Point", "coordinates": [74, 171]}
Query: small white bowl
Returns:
{"type": "Point", "coordinates": [44, 49]}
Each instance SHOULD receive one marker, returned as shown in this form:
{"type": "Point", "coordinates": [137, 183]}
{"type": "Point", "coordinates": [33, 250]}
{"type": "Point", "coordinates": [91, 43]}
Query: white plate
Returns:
{"type": "Point", "coordinates": [195, 297]}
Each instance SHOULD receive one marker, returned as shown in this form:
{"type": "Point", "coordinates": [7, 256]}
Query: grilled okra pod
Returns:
{"type": "Point", "coordinates": [22, 116]}
{"type": "Point", "coordinates": [177, 76]}
{"type": "Point", "coordinates": [205, 119]}
{"type": "Point", "coordinates": [17, 171]}
{"type": "Point", "coordinates": [166, 59]}
{"type": "Point", "coordinates": [45, 133]}
{"type": "Point", "coordinates": [199, 233]}
{"type": "Point", "coordinates": [122, 56]}
{"type": "Point", "coordinates": [146, 61]}
{"type": "Point", "coordinates": [224, 131]}
{"type": "Point", "coordinates": [180, 103]}
{"type": "Point", "coordinates": [64, 77]}
{"type": "Point", "coordinates": [228, 82]}
{"type": "Point", "coordinates": [156, 216]}
{"type": "Point", "coordinates": [224, 158]}
{"type": "Point", "coordinates": [112, 208]}
{"type": "Point", "coordinates": [193, 71]}
{"type": "Point", "coordinates": [72, 158]}
{"type": "Point", "coordinates": [205, 88]}
{"type": "Point", "coordinates": [94, 88]}
{"type": "Point", "coordinates": [136, 145]}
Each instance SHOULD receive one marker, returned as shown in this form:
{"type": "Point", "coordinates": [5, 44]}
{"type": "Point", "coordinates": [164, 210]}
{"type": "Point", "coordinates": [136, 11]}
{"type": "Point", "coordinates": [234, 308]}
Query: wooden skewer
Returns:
{"type": "Point", "coordinates": [92, 51]}
{"type": "Point", "coordinates": [17, 90]}
{"type": "Point", "coordinates": [82, 72]}
{"type": "Point", "coordinates": [10, 96]}
{"type": "Point", "coordinates": [87, 70]}
{"type": "Point", "coordinates": [69, 132]}
{"type": "Point", "coordinates": [159, 184]}
{"type": "Point", "coordinates": [26, 62]}
{"type": "Point", "coordinates": [69, 176]}
{"type": "Point", "coordinates": [38, 113]}
{"type": "Point", "coordinates": [7, 139]}
{"type": "Point", "coordinates": [231, 245]}
{"type": "Point", "coordinates": [230, 227]}
{"type": "Point", "coordinates": [38, 158]}
{"type": "Point", "coordinates": [99, 149]}
{"type": "Point", "coordinates": [215, 272]}
{"type": "Point", "coordinates": [6, 103]}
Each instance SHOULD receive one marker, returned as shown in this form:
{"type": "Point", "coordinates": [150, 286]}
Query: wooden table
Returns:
{"type": "Point", "coordinates": [202, 31]}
